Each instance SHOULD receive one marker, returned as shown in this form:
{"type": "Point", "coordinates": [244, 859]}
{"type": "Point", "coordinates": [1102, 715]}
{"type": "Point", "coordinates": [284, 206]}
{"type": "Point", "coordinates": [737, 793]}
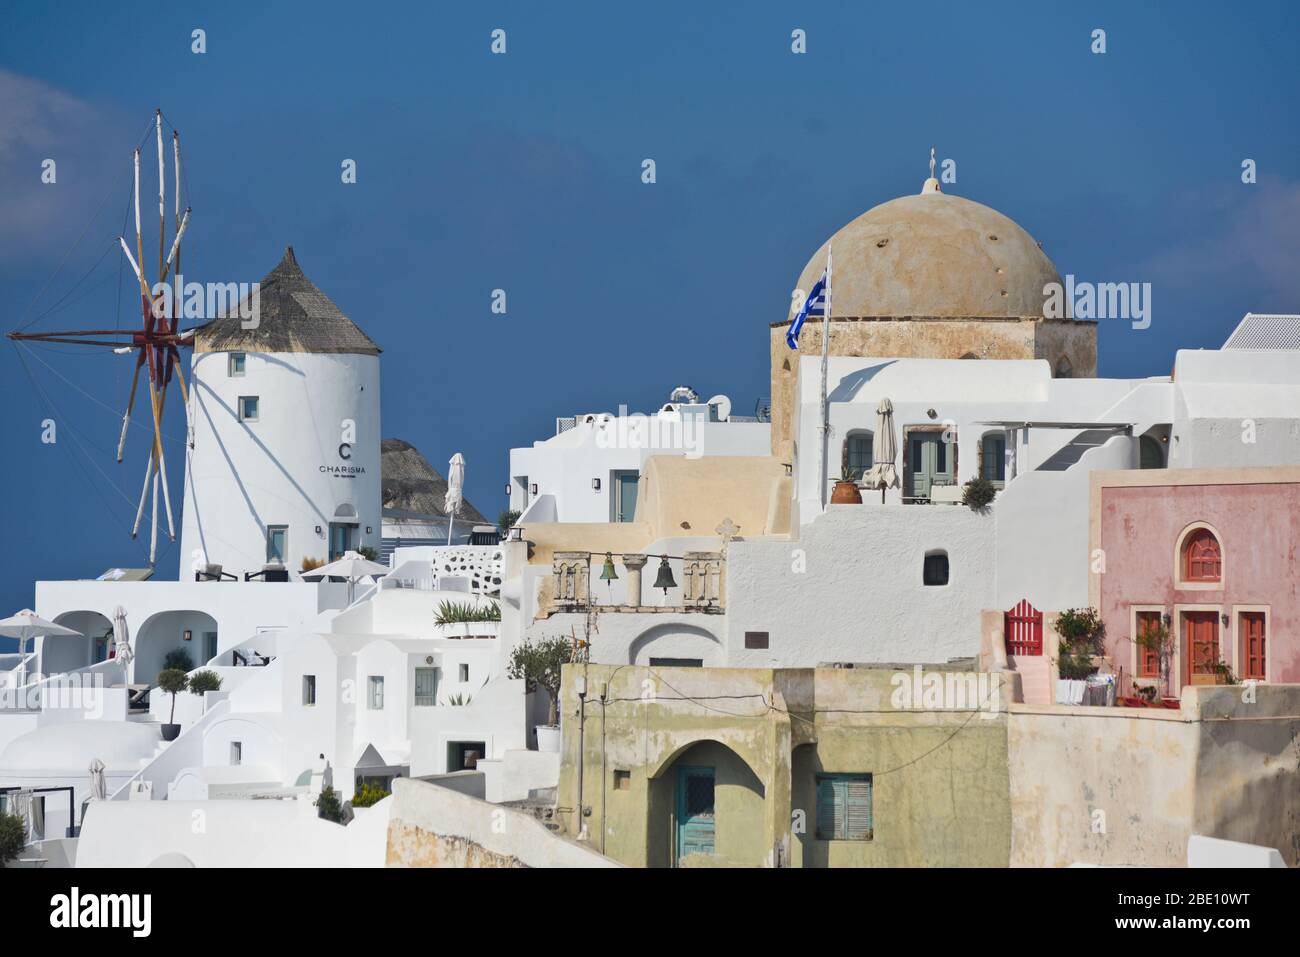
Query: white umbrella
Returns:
{"type": "Point", "coordinates": [98, 786]}
{"type": "Point", "coordinates": [884, 449]}
{"type": "Point", "coordinates": [455, 491]}
{"type": "Point", "coordinates": [121, 639]}
{"type": "Point", "coordinates": [27, 624]}
{"type": "Point", "coordinates": [351, 566]}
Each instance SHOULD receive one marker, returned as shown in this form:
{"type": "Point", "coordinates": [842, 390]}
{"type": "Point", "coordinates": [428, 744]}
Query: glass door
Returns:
{"type": "Point", "coordinates": [342, 537]}
{"type": "Point", "coordinates": [929, 463]}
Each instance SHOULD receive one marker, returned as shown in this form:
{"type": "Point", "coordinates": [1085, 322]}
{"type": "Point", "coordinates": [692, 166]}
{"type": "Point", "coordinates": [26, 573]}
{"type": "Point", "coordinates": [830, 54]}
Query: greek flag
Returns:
{"type": "Point", "coordinates": [814, 305]}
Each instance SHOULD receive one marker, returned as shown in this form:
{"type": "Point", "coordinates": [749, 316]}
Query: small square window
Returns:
{"type": "Point", "coordinates": [308, 690]}
{"type": "Point", "coordinates": [464, 672]}
{"type": "Point", "coordinates": [622, 780]}
{"type": "Point", "coordinates": [248, 408]}
{"type": "Point", "coordinates": [235, 364]}
{"type": "Point", "coordinates": [844, 811]}
{"type": "Point", "coordinates": [935, 571]}
{"type": "Point", "coordinates": [375, 699]}
{"type": "Point", "coordinates": [755, 639]}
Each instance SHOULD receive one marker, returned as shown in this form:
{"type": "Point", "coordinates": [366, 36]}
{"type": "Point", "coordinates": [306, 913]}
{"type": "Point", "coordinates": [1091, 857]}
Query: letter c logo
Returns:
{"type": "Point", "coordinates": [345, 451]}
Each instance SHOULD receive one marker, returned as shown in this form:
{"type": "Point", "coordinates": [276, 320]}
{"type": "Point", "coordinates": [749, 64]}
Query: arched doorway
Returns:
{"type": "Point", "coordinates": [189, 635]}
{"type": "Point", "coordinates": [672, 645]}
{"type": "Point", "coordinates": [61, 655]}
{"type": "Point", "coordinates": [706, 808]}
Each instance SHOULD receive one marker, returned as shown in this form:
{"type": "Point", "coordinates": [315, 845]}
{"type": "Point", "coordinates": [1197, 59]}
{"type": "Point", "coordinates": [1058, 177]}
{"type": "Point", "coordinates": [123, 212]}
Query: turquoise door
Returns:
{"type": "Point", "coordinates": [929, 461]}
{"type": "Point", "coordinates": [625, 487]}
{"type": "Point", "coordinates": [695, 818]}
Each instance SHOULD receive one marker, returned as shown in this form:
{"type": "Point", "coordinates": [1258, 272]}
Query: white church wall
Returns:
{"type": "Point", "coordinates": [850, 588]}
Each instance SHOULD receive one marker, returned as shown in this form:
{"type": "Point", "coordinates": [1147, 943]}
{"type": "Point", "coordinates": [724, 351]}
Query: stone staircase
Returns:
{"type": "Point", "coordinates": [1035, 677]}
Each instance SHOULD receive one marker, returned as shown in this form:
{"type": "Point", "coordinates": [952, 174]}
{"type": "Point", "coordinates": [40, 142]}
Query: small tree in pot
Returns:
{"type": "Point", "coordinates": [538, 663]}
{"type": "Point", "coordinates": [172, 681]}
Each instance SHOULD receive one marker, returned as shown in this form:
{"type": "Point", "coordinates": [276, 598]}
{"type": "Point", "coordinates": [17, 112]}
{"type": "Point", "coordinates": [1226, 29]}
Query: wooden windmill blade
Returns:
{"type": "Point", "coordinates": [159, 339]}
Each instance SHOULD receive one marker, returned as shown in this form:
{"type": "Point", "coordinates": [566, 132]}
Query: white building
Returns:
{"type": "Point", "coordinates": [590, 470]}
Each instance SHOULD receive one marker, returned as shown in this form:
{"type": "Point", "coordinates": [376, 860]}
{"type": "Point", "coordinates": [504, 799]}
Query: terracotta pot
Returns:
{"type": "Point", "coordinates": [846, 493]}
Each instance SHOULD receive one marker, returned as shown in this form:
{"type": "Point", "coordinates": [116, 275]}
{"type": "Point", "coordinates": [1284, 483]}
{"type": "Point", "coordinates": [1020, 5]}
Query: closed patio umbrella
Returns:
{"type": "Point", "coordinates": [27, 624]}
{"type": "Point", "coordinates": [884, 449]}
{"type": "Point", "coordinates": [455, 491]}
{"type": "Point", "coordinates": [98, 785]}
{"type": "Point", "coordinates": [121, 639]}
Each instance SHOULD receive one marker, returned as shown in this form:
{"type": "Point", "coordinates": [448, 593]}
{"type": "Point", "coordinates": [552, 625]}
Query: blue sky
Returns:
{"type": "Point", "coordinates": [522, 172]}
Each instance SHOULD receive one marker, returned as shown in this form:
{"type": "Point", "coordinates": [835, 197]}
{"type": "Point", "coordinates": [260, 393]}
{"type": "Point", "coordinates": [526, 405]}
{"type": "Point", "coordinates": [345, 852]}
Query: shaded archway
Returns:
{"type": "Point", "coordinates": [185, 631]}
{"type": "Point", "coordinates": [705, 807]}
{"type": "Point", "coordinates": [673, 644]}
{"type": "Point", "coordinates": [61, 655]}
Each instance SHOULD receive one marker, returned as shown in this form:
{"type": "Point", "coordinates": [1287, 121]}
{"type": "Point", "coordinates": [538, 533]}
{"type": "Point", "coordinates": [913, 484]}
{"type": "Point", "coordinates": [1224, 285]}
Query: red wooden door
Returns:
{"type": "Point", "coordinates": [1252, 644]}
{"type": "Point", "coordinates": [1201, 646]}
{"type": "Point", "coordinates": [1023, 629]}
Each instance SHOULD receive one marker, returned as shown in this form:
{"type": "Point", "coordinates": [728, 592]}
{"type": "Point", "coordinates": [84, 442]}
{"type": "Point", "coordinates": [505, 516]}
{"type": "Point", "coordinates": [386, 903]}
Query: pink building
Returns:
{"type": "Point", "coordinates": [1209, 553]}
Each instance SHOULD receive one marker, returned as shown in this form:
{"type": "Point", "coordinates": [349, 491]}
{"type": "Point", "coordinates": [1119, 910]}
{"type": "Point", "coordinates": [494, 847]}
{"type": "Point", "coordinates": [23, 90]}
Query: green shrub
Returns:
{"type": "Point", "coordinates": [329, 806]}
{"type": "Point", "coordinates": [458, 700]}
{"type": "Point", "coordinates": [978, 494]}
{"type": "Point", "coordinates": [368, 553]}
{"type": "Point", "coordinates": [202, 681]}
{"type": "Point", "coordinates": [179, 659]}
{"type": "Point", "coordinates": [538, 663]}
{"type": "Point", "coordinates": [13, 834]}
{"type": "Point", "coordinates": [1082, 632]}
{"type": "Point", "coordinates": [368, 794]}
{"type": "Point", "coordinates": [507, 518]}
{"type": "Point", "coordinates": [455, 612]}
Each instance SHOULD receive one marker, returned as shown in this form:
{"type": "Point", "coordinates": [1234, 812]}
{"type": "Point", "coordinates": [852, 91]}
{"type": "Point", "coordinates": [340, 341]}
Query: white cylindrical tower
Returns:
{"type": "Point", "coordinates": [284, 419]}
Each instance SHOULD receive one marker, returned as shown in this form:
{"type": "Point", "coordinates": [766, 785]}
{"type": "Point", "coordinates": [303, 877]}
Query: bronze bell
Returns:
{"type": "Point", "coordinates": [665, 578]}
{"type": "Point", "coordinates": [607, 574]}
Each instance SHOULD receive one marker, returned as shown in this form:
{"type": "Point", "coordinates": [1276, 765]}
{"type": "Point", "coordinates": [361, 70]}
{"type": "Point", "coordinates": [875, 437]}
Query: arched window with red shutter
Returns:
{"type": "Point", "coordinates": [1202, 557]}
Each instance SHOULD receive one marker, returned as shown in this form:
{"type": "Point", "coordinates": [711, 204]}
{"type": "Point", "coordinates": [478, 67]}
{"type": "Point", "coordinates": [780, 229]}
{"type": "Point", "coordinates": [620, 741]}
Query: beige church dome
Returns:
{"type": "Point", "coordinates": [933, 255]}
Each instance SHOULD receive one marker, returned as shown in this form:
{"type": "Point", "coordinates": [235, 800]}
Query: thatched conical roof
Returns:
{"type": "Point", "coordinates": [411, 484]}
{"type": "Point", "coordinates": [293, 316]}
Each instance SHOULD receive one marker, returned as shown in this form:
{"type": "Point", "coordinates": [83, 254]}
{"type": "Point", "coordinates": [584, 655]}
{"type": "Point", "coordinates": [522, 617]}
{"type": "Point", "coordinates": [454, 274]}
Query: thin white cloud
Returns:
{"type": "Point", "coordinates": [40, 122]}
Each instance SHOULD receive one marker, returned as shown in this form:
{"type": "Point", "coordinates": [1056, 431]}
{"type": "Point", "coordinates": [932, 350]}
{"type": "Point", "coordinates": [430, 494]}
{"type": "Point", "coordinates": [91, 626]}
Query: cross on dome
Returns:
{"type": "Point", "coordinates": [931, 185]}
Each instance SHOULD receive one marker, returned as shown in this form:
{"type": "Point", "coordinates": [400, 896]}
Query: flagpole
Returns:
{"type": "Point", "coordinates": [826, 408]}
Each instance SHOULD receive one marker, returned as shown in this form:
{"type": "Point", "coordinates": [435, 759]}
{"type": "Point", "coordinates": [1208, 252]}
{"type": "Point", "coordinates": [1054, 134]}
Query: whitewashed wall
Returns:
{"type": "Point", "coordinates": [244, 476]}
{"type": "Point", "coordinates": [860, 597]}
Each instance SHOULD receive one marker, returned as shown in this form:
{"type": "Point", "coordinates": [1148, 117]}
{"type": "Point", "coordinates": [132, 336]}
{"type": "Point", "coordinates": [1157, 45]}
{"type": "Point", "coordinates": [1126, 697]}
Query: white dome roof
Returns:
{"type": "Point", "coordinates": [74, 744]}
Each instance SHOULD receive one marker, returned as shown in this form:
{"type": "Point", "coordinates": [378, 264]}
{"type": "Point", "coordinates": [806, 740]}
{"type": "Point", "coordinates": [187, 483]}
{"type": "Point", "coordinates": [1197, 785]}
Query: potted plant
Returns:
{"type": "Point", "coordinates": [1223, 674]}
{"type": "Point", "coordinates": [846, 490]}
{"type": "Point", "coordinates": [172, 681]}
{"type": "Point", "coordinates": [538, 663]}
{"type": "Point", "coordinates": [329, 805]}
{"type": "Point", "coordinates": [978, 494]}
{"type": "Point", "coordinates": [1158, 640]}
{"type": "Point", "coordinates": [1081, 631]}
{"type": "Point", "coordinates": [202, 682]}
{"type": "Point", "coordinates": [506, 520]}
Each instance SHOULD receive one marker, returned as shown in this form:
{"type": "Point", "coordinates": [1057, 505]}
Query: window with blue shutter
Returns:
{"type": "Point", "coordinates": [844, 807]}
